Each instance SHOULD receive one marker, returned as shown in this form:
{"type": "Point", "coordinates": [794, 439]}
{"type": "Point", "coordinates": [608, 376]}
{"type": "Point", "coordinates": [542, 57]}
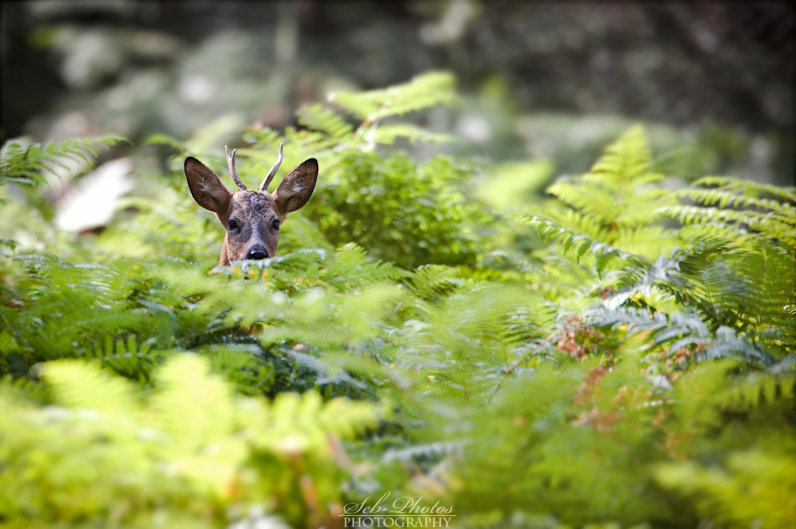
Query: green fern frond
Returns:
{"type": "Point", "coordinates": [635, 210]}
{"type": "Point", "coordinates": [680, 330]}
{"type": "Point", "coordinates": [580, 222]}
{"type": "Point", "coordinates": [590, 198]}
{"type": "Point", "coordinates": [76, 385]}
{"type": "Point", "coordinates": [764, 224]}
{"type": "Point", "coordinates": [717, 280]}
{"type": "Point", "coordinates": [568, 238]}
{"type": "Point", "coordinates": [749, 188]}
{"type": "Point", "coordinates": [612, 203]}
{"type": "Point", "coordinates": [723, 199]}
{"type": "Point", "coordinates": [165, 139]}
{"type": "Point", "coordinates": [640, 320]}
{"type": "Point", "coordinates": [724, 492]}
{"type": "Point", "coordinates": [178, 397]}
{"type": "Point", "coordinates": [727, 344]}
{"type": "Point", "coordinates": [184, 444]}
{"type": "Point", "coordinates": [433, 282]}
{"type": "Point", "coordinates": [626, 162]}
{"type": "Point", "coordinates": [316, 117]}
{"type": "Point", "coordinates": [81, 310]}
{"type": "Point", "coordinates": [422, 92]}
{"type": "Point", "coordinates": [350, 267]}
{"type": "Point", "coordinates": [127, 357]}
{"type": "Point", "coordinates": [737, 211]}
{"type": "Point", "coordinates": [353, 268]}
{"type": "Point", "coordinates": [651, 241]}
{"type": "Point", "coordinates": [27, 163]}
{"type": "Point", "coordinates": [753, 389]}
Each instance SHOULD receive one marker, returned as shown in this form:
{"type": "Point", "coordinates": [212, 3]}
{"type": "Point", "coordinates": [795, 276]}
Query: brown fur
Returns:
{"type": "Point", "coordinates": [254, 212]}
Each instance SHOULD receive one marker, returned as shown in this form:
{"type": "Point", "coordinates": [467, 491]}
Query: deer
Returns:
{"type": "Point", "coordinates": [252, 219]}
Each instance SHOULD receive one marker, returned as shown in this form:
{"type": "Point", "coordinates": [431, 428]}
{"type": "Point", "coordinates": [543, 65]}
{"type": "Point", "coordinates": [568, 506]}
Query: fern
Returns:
{"type": "Point", "coordinates": [749, 187]}
{"type": "Point", "coordinates": [28, 163]}
{"type": "Point", "coordinates": [164, 139]}
{"type": "Point", "coordinates": [738, 212]}
{"type": "Point", "coordinates": [590, 199]}
{"type": "Point", "coordinates": [602, 252]}
{"type": "Point", "coordinates": [735, 224]}
{"type": "Point", "coordinates": [422, 92]}
{"type": "Point", "coordinates": [752, 486]}
{"type": "Point", "coordinates": [611, 202]}
{"type": "Point", "coordinates": [682, 330]}
{"type": "Point", "coordinates": [127, 357]}
{"type": "Point", "coordinates": [316, 117]}
{"type": "Point", "coordinates": [627, 161]}
{"type": "Point", "coordinates": [192, 431]}
{"type": "Point", "coordinates": [610, 362]}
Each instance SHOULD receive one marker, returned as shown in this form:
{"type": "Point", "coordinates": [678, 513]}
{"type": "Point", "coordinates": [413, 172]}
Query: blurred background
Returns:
{"type": "Point", "coordinates": [553, 81]}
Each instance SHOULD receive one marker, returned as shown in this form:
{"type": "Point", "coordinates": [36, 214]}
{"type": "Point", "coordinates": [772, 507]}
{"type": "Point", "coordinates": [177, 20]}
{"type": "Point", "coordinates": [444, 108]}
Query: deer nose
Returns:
{"type": "Point", "coordinates": [257, 252]}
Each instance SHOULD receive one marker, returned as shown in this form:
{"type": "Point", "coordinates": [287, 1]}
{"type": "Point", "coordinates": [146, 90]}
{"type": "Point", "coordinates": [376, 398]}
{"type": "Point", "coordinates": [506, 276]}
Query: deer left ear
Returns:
{"type": "Point", "coordinates": [297, 187]}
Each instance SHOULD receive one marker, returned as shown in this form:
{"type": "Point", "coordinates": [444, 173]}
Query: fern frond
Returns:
{"type": "Point", "coordinates": [749, 188]}
{"type": "Point", "coordinates": [753, 389]}
{"type": "Point", "coordinates": [77, 385]}
{"type": "Point", "coordinates": [651, 241]}
{"type": "Point", "coordinates": [433, 282]}
{"type": "Point", "coordinates": [640, 320]}
{"type": "Point", "coordinates": [178, 397]}
{"type": "Point", "coordinates": [766, 224]}
{"type": "Point", "coordinates": [590, 198]}
{"type": "Point", "coordinates": [127, 357]}
{"type": "Point", "coordinates": [27, 163]}
{"type": "Point", "coordinates": [722, 199]}
{"type": "Point", "coordinates": [626, 162]}
{"type": "Point", "coordinates": [680, 330]}
{"type": "Point", "coordinates": [352, 268]}
{"type": "Point", "coordinates": [635, 209]}
{"type": "Point", "coordinates": [580, 222]}
{"type": "Point", "coordinates": [718, 281]}
{"type": "Point", "coordinates": [568, 238]}
{"type": "Point", "coordinates": [165, 139]}
{"type": "Point", "coordinates": [316, 117]}
{"type": "Point", "coordinates": [422, 92]}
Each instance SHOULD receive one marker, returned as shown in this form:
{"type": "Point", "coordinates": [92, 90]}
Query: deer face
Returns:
{"type": "Point", "coordinates": [252, 218]}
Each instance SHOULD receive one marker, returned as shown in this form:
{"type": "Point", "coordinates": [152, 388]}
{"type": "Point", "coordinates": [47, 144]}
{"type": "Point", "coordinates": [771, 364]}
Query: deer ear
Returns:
{"type": "Point", "coordinates": [206, 188]}
{"type": "Point", "coordinates": [297, 187]}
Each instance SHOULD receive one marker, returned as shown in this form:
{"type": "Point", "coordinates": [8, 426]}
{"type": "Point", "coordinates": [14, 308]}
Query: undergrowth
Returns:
{"type": "Point", "coordinates": [618, 354]}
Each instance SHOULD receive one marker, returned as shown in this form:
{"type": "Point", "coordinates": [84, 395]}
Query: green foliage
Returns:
{"type": "Point", "coordinates": [398, 211]}
{"type": "Point", "coordinates": [190, 443]}
{"type": "Point", "coordinates": [396, 208]}
{"type": "Point", "coordinates": [618, 354]}
{"type": "Point", "coordinates": [27, 163]}
{"type": "Point", "coordinates": [737, 211]}
{"type": "Point", "coordinates": [422, 92]}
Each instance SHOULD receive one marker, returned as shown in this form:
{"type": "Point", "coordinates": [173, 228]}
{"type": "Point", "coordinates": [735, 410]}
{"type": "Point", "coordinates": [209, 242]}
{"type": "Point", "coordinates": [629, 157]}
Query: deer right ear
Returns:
{"type": "Point", "coordinates": [206, 188]}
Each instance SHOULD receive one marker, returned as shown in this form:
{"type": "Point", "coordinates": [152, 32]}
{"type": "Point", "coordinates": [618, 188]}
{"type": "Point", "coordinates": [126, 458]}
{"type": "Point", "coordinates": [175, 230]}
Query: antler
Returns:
{"type": "Point", "coordinates": [231, 165]}
{"type": "Point", "coordinates": [272, 172]}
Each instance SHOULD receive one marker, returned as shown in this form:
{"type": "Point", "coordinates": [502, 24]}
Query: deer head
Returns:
{"type": "Point", "coordinates": [252, 218]}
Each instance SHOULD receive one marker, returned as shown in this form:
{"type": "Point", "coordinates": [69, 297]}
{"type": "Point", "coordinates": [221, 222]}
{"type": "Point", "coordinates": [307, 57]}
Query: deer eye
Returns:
{"type": "Point", "coordinates": [233, 224]}
{"type": "Point", "coordinates": [275, 224]}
